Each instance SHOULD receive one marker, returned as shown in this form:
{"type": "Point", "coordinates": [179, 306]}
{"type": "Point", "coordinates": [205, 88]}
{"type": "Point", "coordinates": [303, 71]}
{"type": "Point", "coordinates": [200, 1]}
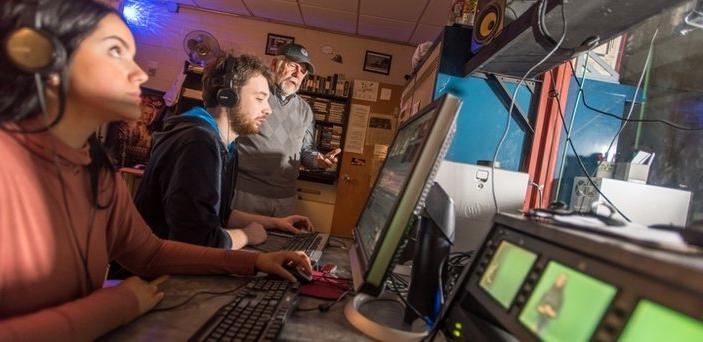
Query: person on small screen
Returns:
{"type": "Point", "coordinates": [551, 302]}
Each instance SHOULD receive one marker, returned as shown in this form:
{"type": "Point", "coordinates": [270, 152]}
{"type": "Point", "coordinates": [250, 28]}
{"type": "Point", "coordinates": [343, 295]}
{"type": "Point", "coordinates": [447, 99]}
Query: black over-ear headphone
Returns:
{"type": "Point", "coordinates": [31, 49]}
{"type": "Point", "coordinates": [228, 95]}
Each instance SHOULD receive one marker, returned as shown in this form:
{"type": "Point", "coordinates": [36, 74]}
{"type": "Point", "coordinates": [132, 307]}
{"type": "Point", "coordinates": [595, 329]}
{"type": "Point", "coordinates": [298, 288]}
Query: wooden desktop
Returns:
{"type": "Point", "coordinates": [181, 323]}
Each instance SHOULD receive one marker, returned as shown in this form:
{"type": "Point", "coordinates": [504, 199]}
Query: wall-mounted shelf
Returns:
{"type": "Point", "coordinates": [515, 51]}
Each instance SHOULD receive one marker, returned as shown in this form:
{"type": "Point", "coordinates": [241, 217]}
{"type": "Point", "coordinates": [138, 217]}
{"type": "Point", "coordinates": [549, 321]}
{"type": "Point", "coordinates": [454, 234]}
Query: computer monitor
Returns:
{"type": "Point", "coordinates": [399, 191]}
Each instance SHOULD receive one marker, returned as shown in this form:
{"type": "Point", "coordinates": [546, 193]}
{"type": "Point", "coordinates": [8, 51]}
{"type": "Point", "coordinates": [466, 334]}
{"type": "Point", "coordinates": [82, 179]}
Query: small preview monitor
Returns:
{"type": "Point", "coordinates": [402, 183]}
{"type": "Point", "coordinates": [566, 305]}
{"type": "Point", "coordinates": [654, 322]}
{"type": "Point", "coordinates": [506, 272]}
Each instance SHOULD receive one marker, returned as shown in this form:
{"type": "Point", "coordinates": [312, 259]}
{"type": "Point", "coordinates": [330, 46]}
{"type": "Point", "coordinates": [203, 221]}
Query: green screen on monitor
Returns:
{"type": "Point", "coordinates": [506, 272]}
{"type": "Point", "coordinates": [566, 305]}
{"type": "Point", "coordinates": [654, 322]}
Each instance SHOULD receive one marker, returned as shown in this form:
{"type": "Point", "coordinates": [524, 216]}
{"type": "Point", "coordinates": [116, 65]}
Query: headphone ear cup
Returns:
{"type": "Point", "coordinates": [227, 97]}
{"type": "Point", "coordinates": [34, 51]}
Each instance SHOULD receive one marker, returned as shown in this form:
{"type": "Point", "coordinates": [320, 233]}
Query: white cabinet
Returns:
{"type": "Point", "coordinates": [316, 201]}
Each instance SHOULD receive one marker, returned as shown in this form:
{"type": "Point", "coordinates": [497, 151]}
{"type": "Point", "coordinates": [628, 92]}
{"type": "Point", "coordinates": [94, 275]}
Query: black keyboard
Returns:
{"type": "Point", "coordinates": [312, 244]}
{"type": "Point", "coordinates": [257, 313]}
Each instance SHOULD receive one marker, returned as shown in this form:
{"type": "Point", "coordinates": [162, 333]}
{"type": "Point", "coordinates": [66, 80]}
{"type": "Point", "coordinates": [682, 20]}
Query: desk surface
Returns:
{"type": "Point", "coordinates": [179, 324]}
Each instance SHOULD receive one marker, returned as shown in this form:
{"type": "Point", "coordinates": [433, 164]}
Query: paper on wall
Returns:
{"type": "Point", "coordinates": [385, 94]}
{"type": "Point", "coordinates": [365, 90]}
{"type": "Point", "coordinates": [358, 119]}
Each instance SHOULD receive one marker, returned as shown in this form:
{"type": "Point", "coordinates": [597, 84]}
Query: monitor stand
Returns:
{"type": "Point", "coordinates": [370, 325]}
{"type": "Point", "coordinates": [435, 236]}
{"type": "Point", "coordinates": [375, 323]}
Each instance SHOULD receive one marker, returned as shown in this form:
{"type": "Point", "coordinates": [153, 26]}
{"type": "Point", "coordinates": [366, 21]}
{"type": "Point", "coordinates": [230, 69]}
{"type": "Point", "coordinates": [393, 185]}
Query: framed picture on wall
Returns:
{"type": "Point", "coordinates": [274, 41]}
{"type": "Point", "coordinates": [377, 62]}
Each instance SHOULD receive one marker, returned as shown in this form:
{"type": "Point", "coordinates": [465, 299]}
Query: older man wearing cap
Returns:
{"type": "Point", "coordinates": [268, 162]}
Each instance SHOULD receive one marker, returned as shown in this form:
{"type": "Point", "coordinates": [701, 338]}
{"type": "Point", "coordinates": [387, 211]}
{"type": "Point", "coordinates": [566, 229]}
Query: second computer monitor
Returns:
{"type": "Point", "coordinates": [402, 183]}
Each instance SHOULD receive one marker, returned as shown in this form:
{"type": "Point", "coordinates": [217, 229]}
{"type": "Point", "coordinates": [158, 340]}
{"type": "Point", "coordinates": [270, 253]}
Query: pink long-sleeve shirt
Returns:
{"type": "Point", "coordinates": [48, 227]}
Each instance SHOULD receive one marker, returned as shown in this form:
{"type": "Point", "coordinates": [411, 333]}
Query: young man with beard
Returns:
{"type": "Point", "coordinates": [187, 184]}
{"type": "Point", "coordinates": [268, 162]}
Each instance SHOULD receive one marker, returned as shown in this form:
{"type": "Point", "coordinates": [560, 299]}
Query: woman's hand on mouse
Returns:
{"type": "Point", "coordinates": [272, 263]}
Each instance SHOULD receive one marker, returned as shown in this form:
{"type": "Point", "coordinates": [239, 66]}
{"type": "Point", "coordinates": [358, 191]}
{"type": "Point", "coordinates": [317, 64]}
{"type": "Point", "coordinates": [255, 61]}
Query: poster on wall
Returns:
{"type": "Point", "coordinates": [365, 90]}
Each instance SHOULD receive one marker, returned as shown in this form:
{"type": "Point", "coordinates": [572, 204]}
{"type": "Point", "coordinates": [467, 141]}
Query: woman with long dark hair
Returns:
{"type": "Point", "coordinates": [64, 212]}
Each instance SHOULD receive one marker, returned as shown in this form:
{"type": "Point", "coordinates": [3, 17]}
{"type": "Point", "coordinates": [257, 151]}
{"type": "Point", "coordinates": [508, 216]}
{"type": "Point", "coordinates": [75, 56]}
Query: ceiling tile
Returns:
{"type": "Point", "coordinates": [275, 9]}
{"type": "Point", "coordinates": [437, 12]}
{"type": "Point", "coordinates": [344, 5]}
{"type": "Point", "coordinates": [329, 18]}
{"type": "Point", "coordinates": [230, 6]}
{"type": "Point", "coordinates": [406, 10]}
{"type": "Point", "coordinates": [425, 33]}
{"type": "Point", "coordinates": [385, 28]}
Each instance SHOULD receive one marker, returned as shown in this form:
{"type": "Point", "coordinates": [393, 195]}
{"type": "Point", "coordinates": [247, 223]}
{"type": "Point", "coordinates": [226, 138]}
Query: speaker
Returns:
{"type": "Point", "coordinates": [31, 49]}
{"type": "Point", "coordinates": [228, 96]}
{"type": "Point", "coordinates": [488, 23]}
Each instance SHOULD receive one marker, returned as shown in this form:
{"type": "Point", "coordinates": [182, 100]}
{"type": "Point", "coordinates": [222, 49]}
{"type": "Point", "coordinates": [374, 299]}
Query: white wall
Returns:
{"type": "Point", "coordinates": [161, 44]}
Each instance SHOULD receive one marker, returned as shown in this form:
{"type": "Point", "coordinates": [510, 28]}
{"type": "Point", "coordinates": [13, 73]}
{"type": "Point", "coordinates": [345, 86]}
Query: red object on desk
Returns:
{"type": "Point", "coordinates": [325, 286]}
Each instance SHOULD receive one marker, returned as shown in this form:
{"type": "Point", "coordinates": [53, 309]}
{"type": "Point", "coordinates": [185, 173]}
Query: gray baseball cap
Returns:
{"type": "Point", "coordinates": [297, 53]}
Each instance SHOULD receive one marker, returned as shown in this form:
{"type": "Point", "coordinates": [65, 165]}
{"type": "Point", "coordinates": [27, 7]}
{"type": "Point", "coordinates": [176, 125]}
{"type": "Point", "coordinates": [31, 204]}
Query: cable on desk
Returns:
{"type": "Point", "coordinates": [455, 263]}
{"type": "Point", "coordinates": [407, 304]}
{"type": "Point", "coordinates": [324, 307]}
{"type": "Point", "coordinates": [168, 308]}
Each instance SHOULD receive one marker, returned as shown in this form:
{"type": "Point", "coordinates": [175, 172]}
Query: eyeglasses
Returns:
{"type": "Point", "coordinates": [295, 66]}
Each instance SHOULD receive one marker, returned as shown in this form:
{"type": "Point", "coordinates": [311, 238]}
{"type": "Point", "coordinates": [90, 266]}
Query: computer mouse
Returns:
{"type": "Point", "coordinates": [693, 234]}
{"type": "Point", "coordinates": [299, 274]}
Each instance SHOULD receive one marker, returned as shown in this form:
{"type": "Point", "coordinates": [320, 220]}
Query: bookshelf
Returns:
{"type": "Point", "coordinates": [331, 114]}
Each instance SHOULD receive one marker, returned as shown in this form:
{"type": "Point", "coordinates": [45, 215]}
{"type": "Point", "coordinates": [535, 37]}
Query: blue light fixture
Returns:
{"type": "Point", "coordinates": [136, 12]}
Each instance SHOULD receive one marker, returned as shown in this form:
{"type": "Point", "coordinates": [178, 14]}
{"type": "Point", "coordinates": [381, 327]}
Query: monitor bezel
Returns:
{"type": "Point", "coordinates": [362, 264]}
